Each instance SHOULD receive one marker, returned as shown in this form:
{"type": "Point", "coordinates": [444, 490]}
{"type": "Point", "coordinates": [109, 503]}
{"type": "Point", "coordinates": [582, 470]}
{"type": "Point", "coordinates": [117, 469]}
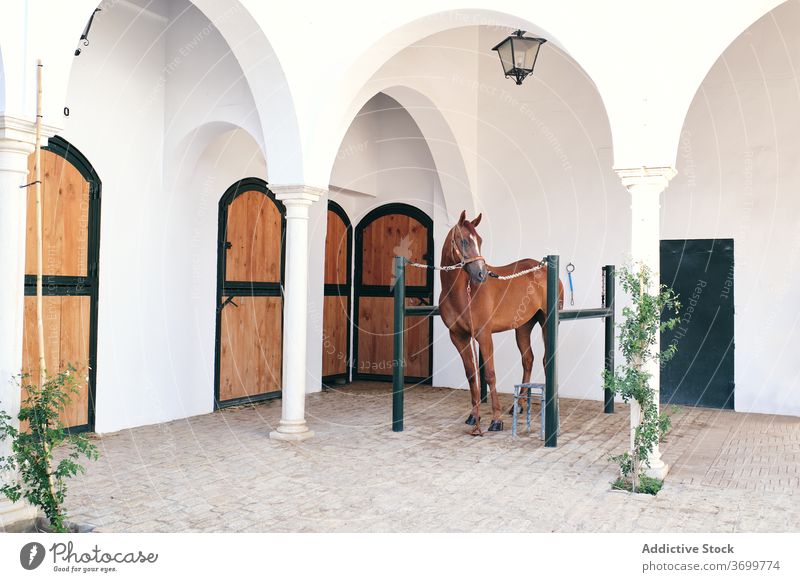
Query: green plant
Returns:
{"type": "Point", "coordinates": [39, 482]}
{"type": "Point", "coordinates": [649, 485]}
{"type": "Point", "coordinates": [638, 335]}
{"type": "Point", "coordinates": [665, 421]}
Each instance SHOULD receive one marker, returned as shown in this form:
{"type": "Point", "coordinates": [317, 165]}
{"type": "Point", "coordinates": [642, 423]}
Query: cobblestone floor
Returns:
{"type": "Point", "coordinates": [221, 472]}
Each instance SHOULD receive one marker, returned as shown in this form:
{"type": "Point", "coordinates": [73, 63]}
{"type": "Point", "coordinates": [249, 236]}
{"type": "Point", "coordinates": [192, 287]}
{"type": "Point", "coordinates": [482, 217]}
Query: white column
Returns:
{"type": "Point", "coordinates": [16, 143]}
{"type": "Point", "coordinates": [298, 200]}
{"type": "Point", "coordinates": [645, 186]}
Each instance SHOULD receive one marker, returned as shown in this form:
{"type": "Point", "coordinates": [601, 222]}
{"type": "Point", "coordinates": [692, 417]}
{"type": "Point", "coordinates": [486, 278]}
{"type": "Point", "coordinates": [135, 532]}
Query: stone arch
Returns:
{"type": "Point", "coordinates": [263, 72]}
{"type": "Point", "coordinates": [192, 146]}
{"type": "Point", "coordinates": [440, 141]}
{"type": "Point", "coordinates": [346, 100]}
{"type": "Point", "coordinates": [725, 37]}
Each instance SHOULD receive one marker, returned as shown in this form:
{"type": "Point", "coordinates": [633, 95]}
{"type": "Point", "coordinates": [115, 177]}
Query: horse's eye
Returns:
{"type": "Point", "coordinates": [464, 244]}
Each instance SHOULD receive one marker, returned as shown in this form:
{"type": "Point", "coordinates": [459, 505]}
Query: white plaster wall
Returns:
{"type": "Point", "coordinates": [739, 175]}
{"type": "Point", "coordinates": [136, 85]}
{"type": "Point", "coordinates": [2, 83]}
{"type": "Point", "coordinates": [124, 143]}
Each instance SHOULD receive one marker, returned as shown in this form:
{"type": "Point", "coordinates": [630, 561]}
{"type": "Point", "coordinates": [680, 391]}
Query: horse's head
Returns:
{"type": "Point", "coordinates": [465, 245]}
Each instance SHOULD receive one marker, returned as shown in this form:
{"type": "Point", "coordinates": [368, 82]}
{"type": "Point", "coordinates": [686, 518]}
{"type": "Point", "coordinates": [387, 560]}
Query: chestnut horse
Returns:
{"type": "Point", "coordinates": [478, 300]}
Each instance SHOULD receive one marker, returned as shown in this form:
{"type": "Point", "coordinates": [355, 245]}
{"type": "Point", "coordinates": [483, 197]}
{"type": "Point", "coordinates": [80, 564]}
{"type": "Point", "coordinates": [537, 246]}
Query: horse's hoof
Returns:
{"type": "Point", "coordinates": [496, 426]}
{"type": "Point", "coordinates": [470, 420]}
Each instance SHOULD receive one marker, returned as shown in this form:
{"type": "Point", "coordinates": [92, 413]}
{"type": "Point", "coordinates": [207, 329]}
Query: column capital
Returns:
{"type": "Point", "coordinates": [18, 134]}
{"type": "Point", "coordinates": [297, 194]}
{"type": "Point", "coordinates": [656, 178]}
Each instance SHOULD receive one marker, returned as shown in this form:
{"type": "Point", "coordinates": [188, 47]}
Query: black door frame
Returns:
{"type": "Point", "coordinates": [424, 292]}
{"type": "Point", "coordinates": [337, 290]}
{"type": "Point", "coordinates": [243, 288]}
{"type": "Point", "coordinates": [63, 286]}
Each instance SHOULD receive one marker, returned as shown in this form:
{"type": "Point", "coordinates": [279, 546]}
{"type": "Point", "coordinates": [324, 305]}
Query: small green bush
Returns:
{"type": "Point", "coordinates": [31, 455]}
{"type": "Point", "coordinates": [644, 484]}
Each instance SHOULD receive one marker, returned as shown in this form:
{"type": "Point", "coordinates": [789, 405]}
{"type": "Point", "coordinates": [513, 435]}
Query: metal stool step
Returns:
{"type": "Point", "coordinates": [530, 389]}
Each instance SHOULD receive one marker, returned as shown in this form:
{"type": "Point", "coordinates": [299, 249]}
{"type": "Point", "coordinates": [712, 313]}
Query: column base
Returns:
{"type": "Point", "coordinates": [11, 513]}
{"type": "Point", "coordinates": [292, 430]}
{"type": "Point", "coordinates": [657, 471]}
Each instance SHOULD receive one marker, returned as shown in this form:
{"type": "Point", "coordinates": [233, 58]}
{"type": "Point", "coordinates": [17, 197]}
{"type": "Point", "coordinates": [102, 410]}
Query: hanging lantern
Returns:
{"type": "Point", "coordinates": [518, 55]}
{"type": "Point", "coordinates": [85, 36]}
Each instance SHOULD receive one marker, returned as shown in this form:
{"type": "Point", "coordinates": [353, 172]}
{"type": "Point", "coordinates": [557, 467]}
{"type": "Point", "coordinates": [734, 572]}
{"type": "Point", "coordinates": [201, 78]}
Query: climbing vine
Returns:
{"type": "Point", "coordinates": [638, 333]}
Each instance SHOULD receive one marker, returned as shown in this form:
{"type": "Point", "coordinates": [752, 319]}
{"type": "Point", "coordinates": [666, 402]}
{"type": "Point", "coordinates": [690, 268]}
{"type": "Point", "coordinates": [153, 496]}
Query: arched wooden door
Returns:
{"type": "Point", "coordinates": [70, 253]}
{"type": "Point", "coordinates": [336, 309]}
{"type": "Point", "coordinates": [387, 231]}
{"type": "Point", "coordinates": [250, 266]}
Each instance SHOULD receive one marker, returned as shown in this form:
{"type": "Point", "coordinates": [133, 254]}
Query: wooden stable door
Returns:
{"type": "Point", "coordinates": [70, 228]}
{"type": "Point", "coordinates": [66, 337]}
{"type": "Point", "coordinates": [389, 231]}
{"type": "Point", "coordinates": [336, 308]}
{"type": "Point", "coordinates": [249, 300]}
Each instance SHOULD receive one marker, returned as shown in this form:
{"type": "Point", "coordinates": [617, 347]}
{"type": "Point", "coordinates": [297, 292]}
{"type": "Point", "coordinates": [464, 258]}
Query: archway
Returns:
{"type": "Point", "coordinates": [736, 185]}
{"type": "Point", "coordinates": [535, 159]}
{"type": "Point", "coordinates": [164, 103]}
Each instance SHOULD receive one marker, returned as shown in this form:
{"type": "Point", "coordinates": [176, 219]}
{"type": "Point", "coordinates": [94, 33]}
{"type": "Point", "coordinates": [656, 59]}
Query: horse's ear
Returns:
{"type": "Point", "coordinates": [463, 217]}
{"type": "Point", "coordinates": [477, 221]}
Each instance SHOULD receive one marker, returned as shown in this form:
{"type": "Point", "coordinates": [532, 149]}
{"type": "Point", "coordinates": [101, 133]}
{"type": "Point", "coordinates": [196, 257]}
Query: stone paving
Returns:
{"type": "Point", "coordinates": [730, 472]}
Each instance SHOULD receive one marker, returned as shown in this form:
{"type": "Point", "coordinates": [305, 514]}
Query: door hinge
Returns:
{"type": "Point", "coordinates": [227, 301]}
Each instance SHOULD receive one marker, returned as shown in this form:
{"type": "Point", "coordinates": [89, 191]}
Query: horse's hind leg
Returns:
{"type": "Point", "coordinates": [462, 343]}
{"type": "Point", "coordinates": [523, 334]}
{"type": "Point", "coordinates": [541, 318]}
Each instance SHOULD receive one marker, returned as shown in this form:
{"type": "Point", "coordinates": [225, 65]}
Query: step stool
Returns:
{"type": "Point", "coordinates": [530, 388]}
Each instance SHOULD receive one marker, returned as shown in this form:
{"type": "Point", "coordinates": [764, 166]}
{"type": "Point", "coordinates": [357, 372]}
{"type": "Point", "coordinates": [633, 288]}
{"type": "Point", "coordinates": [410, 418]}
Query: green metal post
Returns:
{"type": "Point", "coordinates": [609, 277]}
{"type": "Point", "coordinates": [551, 382]}
{"type": "Point", "coordinates": [398, 365]}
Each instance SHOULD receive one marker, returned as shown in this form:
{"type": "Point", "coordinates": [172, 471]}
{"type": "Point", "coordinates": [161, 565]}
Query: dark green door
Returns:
{"type": "Point", "coordinates": [701, 273]}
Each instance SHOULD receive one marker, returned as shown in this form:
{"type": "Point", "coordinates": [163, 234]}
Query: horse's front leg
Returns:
{"type": "Point", "coordinates": [462, 343]}
{"type": "Point", "coordinates": [487, 351]}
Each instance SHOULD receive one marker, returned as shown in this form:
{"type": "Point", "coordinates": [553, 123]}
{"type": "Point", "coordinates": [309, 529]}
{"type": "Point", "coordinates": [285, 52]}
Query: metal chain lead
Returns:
{"type": "Point", "coordinates": [521, 273]}
{"type": "Point", "coordinates": [445, 268]}
{"type": "Point", "coordinates": [542, 264]}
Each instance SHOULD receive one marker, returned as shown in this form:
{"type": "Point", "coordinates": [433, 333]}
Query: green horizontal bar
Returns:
{"type": "Point", "coordinates": [597, 312]}
{"type": "Point", "coordinates": [416, 310]}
